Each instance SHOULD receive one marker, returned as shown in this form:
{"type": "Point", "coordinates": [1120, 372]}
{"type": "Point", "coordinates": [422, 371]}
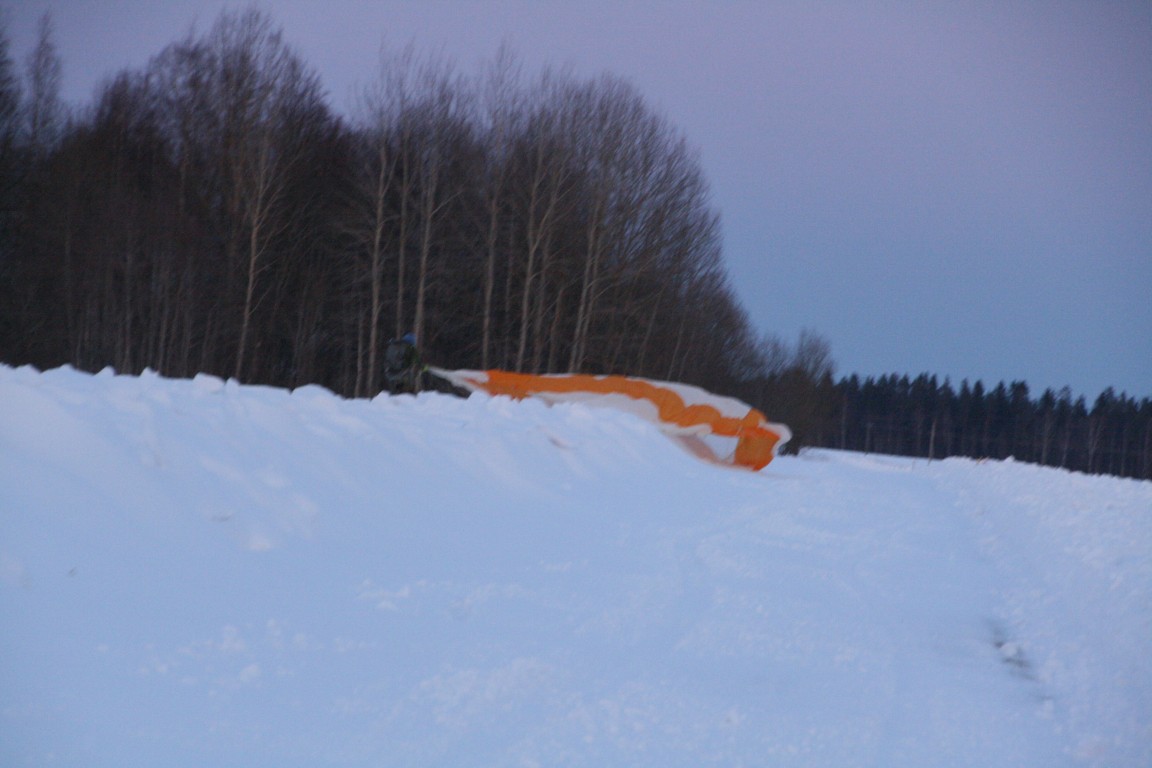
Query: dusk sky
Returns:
{"type": "Point", "coordinates": [958, 188]}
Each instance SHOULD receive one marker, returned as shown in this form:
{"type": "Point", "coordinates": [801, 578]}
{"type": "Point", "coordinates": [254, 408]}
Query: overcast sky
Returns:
{"type": "Point", "coordinates": [959, 188]}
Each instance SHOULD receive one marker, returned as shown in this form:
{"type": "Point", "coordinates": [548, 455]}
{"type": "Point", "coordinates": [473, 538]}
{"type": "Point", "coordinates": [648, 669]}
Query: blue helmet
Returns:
{"type": "Point", "coordinates": [409, 338]}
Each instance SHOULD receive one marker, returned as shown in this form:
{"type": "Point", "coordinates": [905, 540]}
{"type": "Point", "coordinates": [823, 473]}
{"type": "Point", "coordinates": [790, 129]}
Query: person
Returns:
{"type": "Point", "coordinates": [402, 365]}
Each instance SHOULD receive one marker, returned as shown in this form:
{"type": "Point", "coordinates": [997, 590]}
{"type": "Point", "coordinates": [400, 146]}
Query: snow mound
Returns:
{"type": "Point", "coordinates": [200, 573]}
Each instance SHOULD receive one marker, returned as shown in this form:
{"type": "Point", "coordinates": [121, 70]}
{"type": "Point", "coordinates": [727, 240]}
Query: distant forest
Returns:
{"type": "Point", "coordinates": [211, 213]}
{"type": "Point", "coordinates": [932, 419]}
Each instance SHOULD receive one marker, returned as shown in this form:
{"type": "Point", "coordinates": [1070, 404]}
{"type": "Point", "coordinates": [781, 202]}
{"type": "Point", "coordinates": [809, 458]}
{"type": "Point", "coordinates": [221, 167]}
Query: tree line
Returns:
{"type": "Point", "coordinates": [211, 213]}
{"type": "Point", "coordinates": [932, 419]}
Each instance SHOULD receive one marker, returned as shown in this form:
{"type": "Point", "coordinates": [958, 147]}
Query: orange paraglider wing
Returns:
{"type": "Point", "coordinates": [678, 409]}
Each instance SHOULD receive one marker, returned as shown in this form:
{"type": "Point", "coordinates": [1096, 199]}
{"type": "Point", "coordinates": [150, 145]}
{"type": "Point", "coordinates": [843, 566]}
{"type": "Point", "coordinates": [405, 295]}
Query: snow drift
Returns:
{"type": "Point", "coordinates": [199, 573]}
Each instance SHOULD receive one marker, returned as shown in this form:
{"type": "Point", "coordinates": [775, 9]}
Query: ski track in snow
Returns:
{"type": "Point", "coordinates": [201, 573]}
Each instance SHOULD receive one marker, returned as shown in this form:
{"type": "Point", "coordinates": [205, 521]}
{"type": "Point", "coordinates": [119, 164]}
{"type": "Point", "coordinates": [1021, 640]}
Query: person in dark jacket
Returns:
{"type": "Point", "coordinates": [403, 365]}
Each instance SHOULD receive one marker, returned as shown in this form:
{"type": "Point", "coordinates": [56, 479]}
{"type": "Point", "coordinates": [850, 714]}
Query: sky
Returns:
{"type": "Point", "coordinates": [955, 188]}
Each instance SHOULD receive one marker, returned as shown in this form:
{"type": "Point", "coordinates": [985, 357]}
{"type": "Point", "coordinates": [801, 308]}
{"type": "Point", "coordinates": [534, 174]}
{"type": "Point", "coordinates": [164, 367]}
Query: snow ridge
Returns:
{"type": "Point", "coordinates": [201, 573]}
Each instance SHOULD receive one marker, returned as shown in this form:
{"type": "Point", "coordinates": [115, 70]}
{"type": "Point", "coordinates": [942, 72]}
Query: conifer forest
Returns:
{"type": "Point", "coordinates": [212, 213]}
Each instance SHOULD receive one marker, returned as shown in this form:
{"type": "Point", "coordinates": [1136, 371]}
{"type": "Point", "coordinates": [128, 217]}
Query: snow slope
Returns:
{"type": "Point", "coordinates": [196, 573]}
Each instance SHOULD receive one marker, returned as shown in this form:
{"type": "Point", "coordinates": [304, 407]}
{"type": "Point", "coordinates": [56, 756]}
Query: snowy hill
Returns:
{"type": "Point", "coordinates": [196, 573]}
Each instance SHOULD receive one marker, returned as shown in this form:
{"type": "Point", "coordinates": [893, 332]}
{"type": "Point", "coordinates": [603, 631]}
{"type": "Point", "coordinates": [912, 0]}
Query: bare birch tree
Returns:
{"type": "Point", "coordinates": [44, 112]}
{"type": "Point", "coordinates": [502, 108]}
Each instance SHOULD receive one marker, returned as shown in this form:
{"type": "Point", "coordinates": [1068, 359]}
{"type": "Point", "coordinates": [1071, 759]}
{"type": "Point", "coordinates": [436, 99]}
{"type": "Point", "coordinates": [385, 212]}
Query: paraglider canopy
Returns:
{"type": "Point", "coordinates": [678, 409]}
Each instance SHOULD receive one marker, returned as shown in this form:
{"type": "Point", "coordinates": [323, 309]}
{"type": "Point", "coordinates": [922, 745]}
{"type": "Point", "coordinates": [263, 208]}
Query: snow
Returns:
{"type": "Point", "coordinates": [200, 573]}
